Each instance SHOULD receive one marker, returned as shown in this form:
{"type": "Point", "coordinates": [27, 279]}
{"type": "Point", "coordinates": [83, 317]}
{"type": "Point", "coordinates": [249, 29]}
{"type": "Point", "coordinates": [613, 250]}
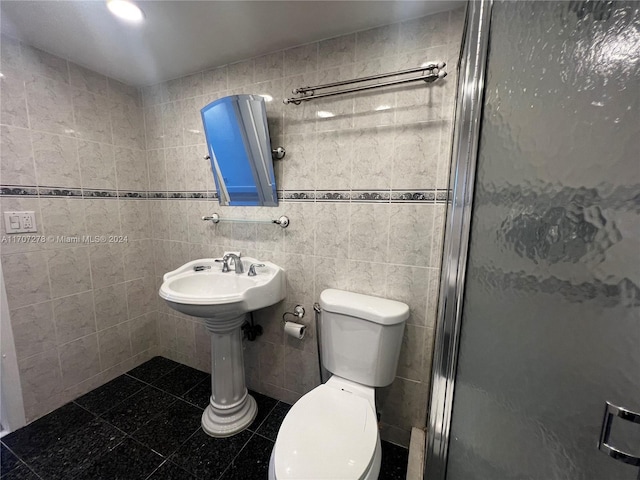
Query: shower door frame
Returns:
{"type": "Point", "coordinates": [470, 95]}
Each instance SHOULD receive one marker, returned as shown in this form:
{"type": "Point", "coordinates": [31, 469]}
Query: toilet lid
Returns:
{"type": "Point", "coordinates": [329, 433]}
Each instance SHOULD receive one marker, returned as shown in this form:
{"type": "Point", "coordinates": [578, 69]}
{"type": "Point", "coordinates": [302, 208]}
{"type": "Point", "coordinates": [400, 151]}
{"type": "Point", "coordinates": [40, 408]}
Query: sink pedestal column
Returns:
{"type": "Point", "coordinates": [231, 409]}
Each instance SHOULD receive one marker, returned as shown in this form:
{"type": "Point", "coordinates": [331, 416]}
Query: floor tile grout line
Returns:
{"type": "Point", "coordinates": [100, 456]}
{"type": "Point", "coordinates": [131, 435]}
{"type": "Point", "coordinates": [181, 445]}
{"type": "Point", "coordinates": [253, 434]}
{"type": "Point", "coordinates": [278, 402]}
{"type": "Point", "coordinates": [161, 376]}
{"type": "Point", "coordinates": [149, 419]}
{"type": "Point", "coordinates": [169, 393]}
{"type": "Point", "coordinates": [193, 388]}
{"type": "Point", "coordinates": [22, 462]}
{"type": "Point", "coordinates": [73, 431]}
{"type": "Point", "coordinates": [197, 384]}
{"type": "Point", "coordinates": [160, 356]}
{"type": "Point", "coordinates": [167, 456]}
{"type": "Point", "coordinates": [155, 387]}
{"type": "Point", "coordinates": [75, 401]}
{"type": "Point", "coordinates": [266, 416]}
{"type": "Point", "coordinates": [265, 437]}
{"type": "Point", "coordinates": [145, 382]}
{"type": "Point", "coordinates": [156, 469]}
{"type": "Point", "coordinates": [124, 437]}
{"type": "Point", "coordinates": [99, 415]}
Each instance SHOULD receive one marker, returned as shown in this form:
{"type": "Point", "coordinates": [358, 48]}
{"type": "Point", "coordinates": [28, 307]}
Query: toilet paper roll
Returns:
{"type": "Point", "coordinates": [294, 330]}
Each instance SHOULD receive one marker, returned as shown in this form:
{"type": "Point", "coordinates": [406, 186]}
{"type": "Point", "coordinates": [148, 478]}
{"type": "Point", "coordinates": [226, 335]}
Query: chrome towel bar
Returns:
{"type": "Point", "coordinates": [308, 93]}
{"type": "Point", "coordinates": [283, 221]}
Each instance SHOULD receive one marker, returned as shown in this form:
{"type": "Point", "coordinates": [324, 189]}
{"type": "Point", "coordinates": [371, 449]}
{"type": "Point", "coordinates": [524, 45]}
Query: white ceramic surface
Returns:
{"type": "Point", "coordinates": [332, 431]}
{"type": "Point", "coordinates": [375, 309]}
{"type": "Point", "coordinates": [361, 336]}
{"type": "Point", "coordinates": [223, 300]}
{"type": "Point", "coordinates": [210, 293]}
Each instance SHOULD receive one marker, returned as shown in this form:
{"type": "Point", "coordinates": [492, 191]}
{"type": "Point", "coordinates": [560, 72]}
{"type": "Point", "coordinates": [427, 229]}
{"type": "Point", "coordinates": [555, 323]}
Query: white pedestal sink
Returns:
{"type": "Point", "coordinates": [200, 288]}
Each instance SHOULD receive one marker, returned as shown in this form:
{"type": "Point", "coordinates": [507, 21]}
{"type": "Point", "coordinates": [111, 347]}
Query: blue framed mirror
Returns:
{"type": "Point", "coordinates": [240, 150]}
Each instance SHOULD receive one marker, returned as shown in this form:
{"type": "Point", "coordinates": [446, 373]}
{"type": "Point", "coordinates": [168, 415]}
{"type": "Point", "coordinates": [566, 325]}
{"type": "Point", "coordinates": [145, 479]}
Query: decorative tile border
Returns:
{"type": "Point", "coordinates": [59, 192]}
{"type": "Point", "coordinates": [400, 196]}
{"type": "Point", "coordinates": [52, 192]}
{"type": "Point", "coordinates": [133, 195]}
{"type": "Point", "coordinates": [354, 196]}
{"type": "Point", "coordinates": [201, 195]}
{"type": "Point", "coordinates": [442, 196]}
{"type": "Point", "coordinates": [382, 196]}
{"type": "Point", "coordinates": [10, 191]}
{"type": "Point", "coordinates": [100, 193]}
{"type": "Point", "coordinates": [302, 195]}
{"type": "Point", "coordinates": [333, 195]}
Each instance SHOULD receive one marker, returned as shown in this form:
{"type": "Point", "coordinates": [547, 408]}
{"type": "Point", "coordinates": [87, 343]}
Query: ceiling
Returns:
{"type": "Point", "coordinates": [181, 37]}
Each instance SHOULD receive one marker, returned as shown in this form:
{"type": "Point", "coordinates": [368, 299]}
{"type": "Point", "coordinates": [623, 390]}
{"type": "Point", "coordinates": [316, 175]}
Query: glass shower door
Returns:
{"type": "Point", "coordinates": [551, 316]}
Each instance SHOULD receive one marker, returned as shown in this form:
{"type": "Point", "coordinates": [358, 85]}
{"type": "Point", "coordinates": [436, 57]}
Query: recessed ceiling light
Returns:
{"type": "Point", "coordinates": [126, 10]}
{"type": "Point", "coordinates": [325, 114]}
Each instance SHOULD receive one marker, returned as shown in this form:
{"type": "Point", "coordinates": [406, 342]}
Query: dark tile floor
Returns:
{"type": "Point", "coordinates": [146, 425]}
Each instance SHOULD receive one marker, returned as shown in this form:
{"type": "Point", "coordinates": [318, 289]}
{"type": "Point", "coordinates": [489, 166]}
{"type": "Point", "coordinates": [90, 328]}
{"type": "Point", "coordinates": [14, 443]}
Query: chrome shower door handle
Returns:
{"type": "Point", "coordinates": [603, 445]}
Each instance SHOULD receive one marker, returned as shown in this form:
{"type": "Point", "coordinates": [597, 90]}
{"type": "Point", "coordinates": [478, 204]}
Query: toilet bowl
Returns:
{"type": "Point", "coordinates": [332, 431]}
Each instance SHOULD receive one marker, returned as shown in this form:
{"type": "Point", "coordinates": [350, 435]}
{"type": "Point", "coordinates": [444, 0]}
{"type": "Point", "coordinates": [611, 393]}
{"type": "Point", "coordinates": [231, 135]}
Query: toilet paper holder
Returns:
{"type": "Point", "coordinates": [298, 312]}
{"type": "Point", "coordinates": [294, 328]}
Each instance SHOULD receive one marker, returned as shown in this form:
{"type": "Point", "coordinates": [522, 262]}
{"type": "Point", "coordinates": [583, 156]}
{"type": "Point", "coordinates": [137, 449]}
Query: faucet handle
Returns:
{"type": "Point", "coordinates": [225, 264]}
{"type": "Point", "coordinates": [252, 269]}
{"type": "Point", "coordinates": [199, 268]}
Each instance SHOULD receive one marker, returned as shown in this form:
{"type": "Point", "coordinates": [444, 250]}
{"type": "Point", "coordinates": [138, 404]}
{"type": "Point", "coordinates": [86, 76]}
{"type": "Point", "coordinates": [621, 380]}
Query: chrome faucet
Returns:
{"type": "Point", "coordinates": [236, 261]}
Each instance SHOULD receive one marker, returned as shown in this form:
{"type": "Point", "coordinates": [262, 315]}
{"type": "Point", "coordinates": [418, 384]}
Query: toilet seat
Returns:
{"type": "Point", "coordinates": [330, 433]}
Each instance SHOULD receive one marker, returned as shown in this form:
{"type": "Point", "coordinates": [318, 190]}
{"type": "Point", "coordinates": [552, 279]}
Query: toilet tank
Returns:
{"type": "Point", "coordinates": [361, 336]}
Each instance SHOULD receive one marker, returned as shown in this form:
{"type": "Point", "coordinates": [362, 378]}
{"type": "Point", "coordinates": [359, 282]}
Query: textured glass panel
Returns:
{"type": "Point", "coordinates": [551, 323]}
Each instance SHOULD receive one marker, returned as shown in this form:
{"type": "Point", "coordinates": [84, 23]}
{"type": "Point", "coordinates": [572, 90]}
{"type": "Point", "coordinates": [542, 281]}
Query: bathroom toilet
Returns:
{"type": "Point", "coordinates": [332, 431]}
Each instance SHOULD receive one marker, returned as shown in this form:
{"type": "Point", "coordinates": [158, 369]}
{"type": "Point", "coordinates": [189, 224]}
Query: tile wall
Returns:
{"type": "Point", "coordinates": [364, 186]}
{"type": "Point", "coordinates": [364, 183]}
{"type": "Point", "coordinates": [72, 149]}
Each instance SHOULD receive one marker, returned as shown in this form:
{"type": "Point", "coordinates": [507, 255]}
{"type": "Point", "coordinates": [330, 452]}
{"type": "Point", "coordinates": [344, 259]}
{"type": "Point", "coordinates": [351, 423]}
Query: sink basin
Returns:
{"type": "Point", "coordinates": [210, 293]}
{"type": "Point", "coordinates": [223, 301]}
